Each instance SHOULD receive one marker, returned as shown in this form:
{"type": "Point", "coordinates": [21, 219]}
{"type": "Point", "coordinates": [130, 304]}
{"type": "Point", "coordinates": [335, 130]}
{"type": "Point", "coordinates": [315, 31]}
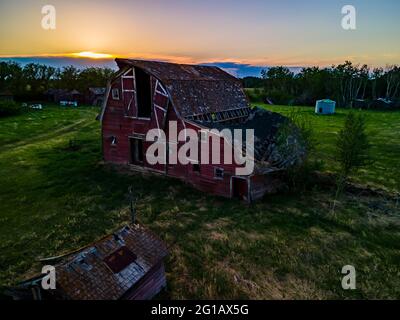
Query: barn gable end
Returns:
{"type": "Point", "coordinates": [148, 95]}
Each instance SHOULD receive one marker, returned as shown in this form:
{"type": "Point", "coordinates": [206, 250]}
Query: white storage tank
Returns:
{"type": "Point", "coordinates": [325, 106]}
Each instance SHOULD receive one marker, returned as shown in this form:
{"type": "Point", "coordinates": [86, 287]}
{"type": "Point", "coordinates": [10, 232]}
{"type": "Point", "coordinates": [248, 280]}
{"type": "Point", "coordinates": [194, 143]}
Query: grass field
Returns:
{"type": "Point", "coordinates": [383, 130]}
{"type": "Point", "coordinates": [54, 198]}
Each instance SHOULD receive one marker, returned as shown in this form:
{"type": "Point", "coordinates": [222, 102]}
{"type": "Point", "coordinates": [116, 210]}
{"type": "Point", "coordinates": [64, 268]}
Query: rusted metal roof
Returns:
{"type": "Point", "coordinates": [106, 269]}
{"type": "Point", "coordinates": [195, 89]}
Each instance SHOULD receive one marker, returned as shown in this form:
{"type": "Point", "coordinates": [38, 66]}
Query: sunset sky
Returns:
{"type": "Point", "coordinates": [255, 33]}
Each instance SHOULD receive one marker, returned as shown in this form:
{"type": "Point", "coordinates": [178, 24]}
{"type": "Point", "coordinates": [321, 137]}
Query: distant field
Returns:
{"type": "Point", "coordinates": [54, 198]}
{"type": "Point", "coordinates": [384, 133]}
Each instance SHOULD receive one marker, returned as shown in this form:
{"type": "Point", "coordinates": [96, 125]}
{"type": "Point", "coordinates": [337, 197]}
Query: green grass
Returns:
{"type": "Point", "coordinates": [54, 198]}
{"type": "Point", "coordinates": [383, 130]}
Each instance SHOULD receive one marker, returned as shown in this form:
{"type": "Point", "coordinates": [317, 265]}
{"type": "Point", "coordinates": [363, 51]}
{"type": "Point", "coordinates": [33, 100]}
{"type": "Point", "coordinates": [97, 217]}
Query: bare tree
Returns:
{"type": "Point", "coordinates": [392, 81]}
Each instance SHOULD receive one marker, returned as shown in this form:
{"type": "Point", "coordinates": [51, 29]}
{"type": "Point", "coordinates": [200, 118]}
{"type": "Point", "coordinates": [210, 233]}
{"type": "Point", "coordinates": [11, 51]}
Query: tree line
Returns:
{"type": "Point", "coordinates": [31, 81]}
{"type": "Point", "coordinates": [343, 83]}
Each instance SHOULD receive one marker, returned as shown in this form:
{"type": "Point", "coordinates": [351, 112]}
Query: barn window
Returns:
{"type": "Point", "coordinates": [143, 92]}
{"type": "Point", "coordinates": [218, 173]}
{"type": "Point", "coordinates": [113, 141]}
{"type": "Point", "coordinates": [115, 93]}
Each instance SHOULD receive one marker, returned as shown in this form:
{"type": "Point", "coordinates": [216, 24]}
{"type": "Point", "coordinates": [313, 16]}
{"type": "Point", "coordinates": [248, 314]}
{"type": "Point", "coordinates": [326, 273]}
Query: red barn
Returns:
{"type": "Point", "coordinates": [148, 95]}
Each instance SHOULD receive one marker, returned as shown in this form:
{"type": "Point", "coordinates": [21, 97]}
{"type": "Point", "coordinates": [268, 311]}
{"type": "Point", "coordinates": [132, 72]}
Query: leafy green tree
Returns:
{"type": "Point", "coordinates": [94, 77]}
{"type": "Point", "coordinates": [392, 77]}
{"type": "Point", "coordinates": [69, 77]}
{"type": "Point", "coordinates": [314, 84]}
{"type": "Point", "coordinates": [349, 80]}
{"type": "Point", "coordinates": [11, 77]}
{"type": "Point", "coordinates": [278, 77]}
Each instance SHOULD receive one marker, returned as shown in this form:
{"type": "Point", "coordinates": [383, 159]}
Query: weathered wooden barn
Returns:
{"type": "Point", "coordinates": [147, 94]}
{"type": "Point", "coordinates": [95, 96]}
{"type": "Point", "coordinates": [58, 95]}
{"type": "Point", "coordinates": [126, 265]}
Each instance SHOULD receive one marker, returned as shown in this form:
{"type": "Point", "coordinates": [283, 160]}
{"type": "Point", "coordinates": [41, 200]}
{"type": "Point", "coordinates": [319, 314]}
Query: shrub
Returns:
{"type": "Point", "coordinates": [352, 145]}
{"type": "Point", "coordinates": [352, 148]}
{"type": "Point", "coordinates": [9, 108]}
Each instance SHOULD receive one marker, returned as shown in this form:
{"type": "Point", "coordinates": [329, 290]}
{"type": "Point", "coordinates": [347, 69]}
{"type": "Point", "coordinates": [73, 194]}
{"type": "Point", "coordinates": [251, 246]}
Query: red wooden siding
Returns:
{"type": "Point", "coordinates": [120, 121]}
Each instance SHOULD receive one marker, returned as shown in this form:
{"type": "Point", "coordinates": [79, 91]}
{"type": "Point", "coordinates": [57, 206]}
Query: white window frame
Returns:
{"type": "Point", "coordinates": [115, 94]}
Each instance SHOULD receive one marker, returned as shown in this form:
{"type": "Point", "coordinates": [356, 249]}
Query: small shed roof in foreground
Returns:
{"type": "Point", "coordinates": [195, 89]}
{"type": "Point", "coordinates": [106, 269]}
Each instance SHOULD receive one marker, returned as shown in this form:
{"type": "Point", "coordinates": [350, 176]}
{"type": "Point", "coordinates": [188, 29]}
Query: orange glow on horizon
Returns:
{"type": "Point", "coordinates": [92, 55]}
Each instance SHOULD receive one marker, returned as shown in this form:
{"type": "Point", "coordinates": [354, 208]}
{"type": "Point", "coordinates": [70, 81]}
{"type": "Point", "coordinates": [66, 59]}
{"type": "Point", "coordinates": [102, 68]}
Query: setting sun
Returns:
{"type": "Point", "coordinates": [92, 55]}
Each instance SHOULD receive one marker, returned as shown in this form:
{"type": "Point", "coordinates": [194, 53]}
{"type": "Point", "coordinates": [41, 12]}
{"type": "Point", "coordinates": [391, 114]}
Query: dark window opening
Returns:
{"type": "Point", "coordinates": [136, 151]}
{"type": "Point", "coordinates": [239, 188]}
{"type": "Point", "coordinates": [143, 92]}
{"type": "Point", "coordinates": [219, 173]}
{"type": "Point", "coordinates": [320, 110]}
{"type": "Point", "coordinates": [120, 259]}
{"type": "Point", "coordinates": [196, 167]}
{"type": "Point", "coordinates": [113, 141]}
{"type": "Point", "coordinates": [115, 93]}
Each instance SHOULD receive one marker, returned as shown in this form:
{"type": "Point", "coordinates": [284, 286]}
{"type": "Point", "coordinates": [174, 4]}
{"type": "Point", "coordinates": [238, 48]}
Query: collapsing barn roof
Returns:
{"type": "Point", "coordinates": [268, 128]}
{"type": "Point", "coordinates": [195, 89]}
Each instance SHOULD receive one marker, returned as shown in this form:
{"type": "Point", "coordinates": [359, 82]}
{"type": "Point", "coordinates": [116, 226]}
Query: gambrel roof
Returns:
{"type": "Point", "coordinates": [194, 89]}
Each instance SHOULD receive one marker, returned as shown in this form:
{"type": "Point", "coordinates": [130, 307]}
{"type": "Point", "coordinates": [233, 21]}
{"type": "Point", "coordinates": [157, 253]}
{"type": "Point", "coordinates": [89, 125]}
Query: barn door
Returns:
{"type": "Point", "coordinates": [136, 151]}
{"type": "Point", "coordinates": [240, 188]}
{"type": "Point", "coordinates": [129, 92]}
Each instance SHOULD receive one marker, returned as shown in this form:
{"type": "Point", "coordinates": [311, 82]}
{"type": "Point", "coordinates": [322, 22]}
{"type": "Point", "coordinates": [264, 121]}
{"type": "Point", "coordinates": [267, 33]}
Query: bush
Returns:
{"type": "Point", "coordinates": [352, 148]}
{"type": "Point", "coordinates": [9, 108]}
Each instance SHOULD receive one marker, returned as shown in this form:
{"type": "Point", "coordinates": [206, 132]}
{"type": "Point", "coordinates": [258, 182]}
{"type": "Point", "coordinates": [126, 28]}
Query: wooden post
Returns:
{"type": "Point", "coordinates": [132, 203]}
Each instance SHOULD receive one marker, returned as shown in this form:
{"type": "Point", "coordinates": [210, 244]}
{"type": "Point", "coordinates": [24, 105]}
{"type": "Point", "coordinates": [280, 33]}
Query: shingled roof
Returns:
{"type": "Point", "coordinates": [106, 269]}
{"type": "Point", "coordinates": [195, 89]}
{"type": "Point", "coordinates": [267, 152]}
